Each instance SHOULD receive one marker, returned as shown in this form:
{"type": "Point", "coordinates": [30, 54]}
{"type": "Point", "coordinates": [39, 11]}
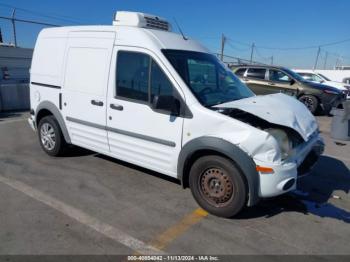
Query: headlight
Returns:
{"type": "Point", "coordinates": [283, 141]}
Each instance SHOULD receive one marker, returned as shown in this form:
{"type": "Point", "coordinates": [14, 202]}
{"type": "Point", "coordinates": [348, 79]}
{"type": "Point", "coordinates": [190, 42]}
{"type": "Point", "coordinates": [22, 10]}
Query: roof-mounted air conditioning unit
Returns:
{"type": "Point", "coordinates": [141, 20]}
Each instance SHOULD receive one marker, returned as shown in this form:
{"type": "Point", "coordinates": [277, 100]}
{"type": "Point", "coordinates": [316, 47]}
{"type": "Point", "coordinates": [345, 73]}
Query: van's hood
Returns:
{"type": "Point", "coordinates": [278, 109]}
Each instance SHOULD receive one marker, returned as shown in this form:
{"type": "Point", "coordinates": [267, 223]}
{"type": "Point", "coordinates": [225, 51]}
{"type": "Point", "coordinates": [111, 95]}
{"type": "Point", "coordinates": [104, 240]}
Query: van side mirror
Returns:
{"type": "Point", "coordinates": [167, 103]}
{"type": "Point", "coordinates": [292, 82]}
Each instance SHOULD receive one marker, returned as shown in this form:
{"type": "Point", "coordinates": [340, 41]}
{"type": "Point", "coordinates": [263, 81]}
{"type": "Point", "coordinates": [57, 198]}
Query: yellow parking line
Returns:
{"type": "Point", "coordinates": [165, 238]}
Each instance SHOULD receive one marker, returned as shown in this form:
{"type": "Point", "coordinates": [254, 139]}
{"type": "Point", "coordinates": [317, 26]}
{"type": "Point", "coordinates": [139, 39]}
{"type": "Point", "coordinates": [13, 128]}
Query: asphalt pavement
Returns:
{"type": "Point", "coordinates": [87, 203]}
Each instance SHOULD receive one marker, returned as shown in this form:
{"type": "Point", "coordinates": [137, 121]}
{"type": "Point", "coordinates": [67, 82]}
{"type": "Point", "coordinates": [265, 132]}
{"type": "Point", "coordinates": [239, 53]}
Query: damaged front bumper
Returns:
{"type": "Point", "coordinates": [285, 174]}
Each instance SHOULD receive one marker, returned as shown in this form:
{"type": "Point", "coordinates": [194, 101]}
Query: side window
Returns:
{"type": "Point", "coordinates": [141, 79]}
{"type": "Point", "coordinates": [240, 72]}
{"type": "Point", "coordinates": [256, 73]}
{"type": "Point", "coordinates": [160, 84]}
{"type": "Point", "coordinates": [133, 75]}
{"type": "Point", "coordinates": [278, 76]}
{"type": "Point", "coordinates": [317, 78]}
{"type": "Point", "coordinates": [306, 76]}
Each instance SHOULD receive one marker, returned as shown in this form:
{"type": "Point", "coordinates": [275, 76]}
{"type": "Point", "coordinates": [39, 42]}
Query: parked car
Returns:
{"type": "Point", "coordinates": [342, 76]}
{"type": "Point", "coordinates": [138, 92]}
{"type": "Point", "coordinates": [309, 75]}
{"type": "Point", "coordinates": [270, 79]}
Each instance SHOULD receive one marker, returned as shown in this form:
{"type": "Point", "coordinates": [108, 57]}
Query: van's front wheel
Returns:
{"type": "Point", "coordinates": [50, 136]}
{"type": "Point", "coordinates": [218, 186]}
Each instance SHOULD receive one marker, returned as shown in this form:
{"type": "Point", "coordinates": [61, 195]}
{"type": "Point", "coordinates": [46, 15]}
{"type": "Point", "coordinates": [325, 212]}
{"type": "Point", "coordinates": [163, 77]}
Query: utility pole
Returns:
{"type": "Point", "coordinates": [223, 40]}
{"type": "Point", "coordinates": [14, 26]}
{"type": "Point", "coordinates": [337, 63]}
{"type": "Point", "coordinates": [1, 40]}
{"type": "Point", "coordinates": [317, 56]}
{"type": "Point", "coordinates": [271, 60]}
{"type": "Point", "coordinates": [325, 61]}
{"type": "Point", "coordinates": [252, 53]}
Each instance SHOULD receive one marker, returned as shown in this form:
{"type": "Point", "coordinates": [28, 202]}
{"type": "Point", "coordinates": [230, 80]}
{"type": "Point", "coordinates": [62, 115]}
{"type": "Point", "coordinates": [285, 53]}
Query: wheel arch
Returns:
{"type": "Point", "coordinates": [46, 108]}
{"type": "Point", "coordinates": [215, 146]}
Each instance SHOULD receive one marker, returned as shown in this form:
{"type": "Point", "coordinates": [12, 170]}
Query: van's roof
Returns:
{"type": "Point", "coordinates": [131, 36]}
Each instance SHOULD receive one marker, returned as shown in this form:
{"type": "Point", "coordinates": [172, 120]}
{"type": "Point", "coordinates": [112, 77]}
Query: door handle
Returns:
{"type": "Point", "coordinates": [117, 107]}
{"type": "Point", "coordinates": [97, 103]}
{"type": "Point", "coordinates": [272, 84]}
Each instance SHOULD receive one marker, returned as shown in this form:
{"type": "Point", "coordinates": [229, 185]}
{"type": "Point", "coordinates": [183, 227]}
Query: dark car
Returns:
{"type": "Point", "coordinates": [269, 79]}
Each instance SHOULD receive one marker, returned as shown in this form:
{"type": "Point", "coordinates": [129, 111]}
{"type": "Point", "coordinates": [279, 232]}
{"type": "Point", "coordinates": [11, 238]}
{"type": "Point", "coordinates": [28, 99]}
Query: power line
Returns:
{"type": "Point", "coordinates": [260, 55]}
{"type": "Point", "coordinates": [294, 48]}
{"type": "Point", "coordinates": [52, 16]}
{"type": "Point", "coordinates": [236, 48]}
{"type": "Point", "coordinates": [239, 42]}
{"type": "Point", "coordinates": [28, 21]}
{"type": "Point", "coordinates": [337, 55]}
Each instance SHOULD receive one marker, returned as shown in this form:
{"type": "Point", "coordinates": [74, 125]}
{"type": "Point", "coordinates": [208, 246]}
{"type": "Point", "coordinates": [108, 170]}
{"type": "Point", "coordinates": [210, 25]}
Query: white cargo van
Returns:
{"type": "Point", "coordinates": [140, 93]}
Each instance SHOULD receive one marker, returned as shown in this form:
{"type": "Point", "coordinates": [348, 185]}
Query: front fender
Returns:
{"type": "Point", "coordinates": [244, 162]}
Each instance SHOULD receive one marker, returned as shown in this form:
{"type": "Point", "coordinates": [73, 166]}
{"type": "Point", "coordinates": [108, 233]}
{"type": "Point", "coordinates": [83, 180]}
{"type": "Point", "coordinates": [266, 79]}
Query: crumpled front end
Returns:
{"type": "Point", "coordinates": [285, 143]}
{"type": "Point", "coordinates": [282, 176]}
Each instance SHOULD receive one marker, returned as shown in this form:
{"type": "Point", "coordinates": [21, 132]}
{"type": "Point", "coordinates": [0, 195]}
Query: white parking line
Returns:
{"type": "Point", "coordinates": [83, 218]}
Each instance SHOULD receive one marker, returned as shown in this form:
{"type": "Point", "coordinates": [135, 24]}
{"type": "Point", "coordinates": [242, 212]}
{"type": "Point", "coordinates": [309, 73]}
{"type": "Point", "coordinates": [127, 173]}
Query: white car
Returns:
{"type": "Point", "coordinates": [138, 92]}
{"type": "Point", "coordinates": [319, 78]}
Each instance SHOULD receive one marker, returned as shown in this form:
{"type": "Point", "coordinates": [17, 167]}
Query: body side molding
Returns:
{"type": "Point", "coordinates": [123, 132]}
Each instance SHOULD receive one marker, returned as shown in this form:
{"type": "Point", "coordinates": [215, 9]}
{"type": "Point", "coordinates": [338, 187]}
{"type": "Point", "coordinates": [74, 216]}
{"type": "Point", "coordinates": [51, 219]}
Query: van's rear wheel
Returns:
{"type": "Point", "coordinates": [50, 136]}
{"type": "Point", "coordinates": [218, 186]}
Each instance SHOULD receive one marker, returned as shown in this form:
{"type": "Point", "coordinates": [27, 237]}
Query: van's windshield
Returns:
{"type": "Point", "coordinates": [209, 80]}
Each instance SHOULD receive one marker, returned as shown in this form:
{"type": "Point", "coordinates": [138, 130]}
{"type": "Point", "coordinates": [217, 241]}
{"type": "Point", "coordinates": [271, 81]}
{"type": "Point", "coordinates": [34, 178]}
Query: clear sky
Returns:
{"type": "Point", "coordinates": [273, 24]}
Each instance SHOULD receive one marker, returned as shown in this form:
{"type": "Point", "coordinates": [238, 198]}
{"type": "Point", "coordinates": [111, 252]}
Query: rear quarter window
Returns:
{"type": "Point", "coordinates": [240, 72]}
{"type": "Point", "coordinates": [256, 73]}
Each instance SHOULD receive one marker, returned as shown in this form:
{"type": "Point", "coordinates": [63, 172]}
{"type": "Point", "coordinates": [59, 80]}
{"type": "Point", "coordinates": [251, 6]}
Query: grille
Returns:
{"type": "Point", "coordinates": [156, 23]}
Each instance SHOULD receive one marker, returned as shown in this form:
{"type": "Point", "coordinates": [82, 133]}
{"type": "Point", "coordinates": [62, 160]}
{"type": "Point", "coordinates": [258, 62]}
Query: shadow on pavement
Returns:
{"type": "Point", "coordinates": [5, 115]}
{"type": "Point", "coordinates": [312, 196]}
{"type": "Point", "coordinates": [75, 151]}
{"type": "Point", "coordinates": [315, 190]}
{"type": "Point", "coordinates": [138, 168]}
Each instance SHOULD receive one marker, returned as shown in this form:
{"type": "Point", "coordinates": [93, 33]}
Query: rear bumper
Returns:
{"type": "Point", "coordinates": [285, 175]}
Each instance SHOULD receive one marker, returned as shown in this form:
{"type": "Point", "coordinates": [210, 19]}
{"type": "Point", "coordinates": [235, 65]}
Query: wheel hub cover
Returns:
{"type": "Point", "coordinates": [216, 186]}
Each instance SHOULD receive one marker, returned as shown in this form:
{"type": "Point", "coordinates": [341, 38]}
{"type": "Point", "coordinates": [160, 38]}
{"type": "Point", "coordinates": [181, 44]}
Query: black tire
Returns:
{"type": "Point", "coordinates": [59, 143]}
{"type": "Point", "coordinates": [218, 186]}
{"type": "Point", "coordinates": [310, 102]}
